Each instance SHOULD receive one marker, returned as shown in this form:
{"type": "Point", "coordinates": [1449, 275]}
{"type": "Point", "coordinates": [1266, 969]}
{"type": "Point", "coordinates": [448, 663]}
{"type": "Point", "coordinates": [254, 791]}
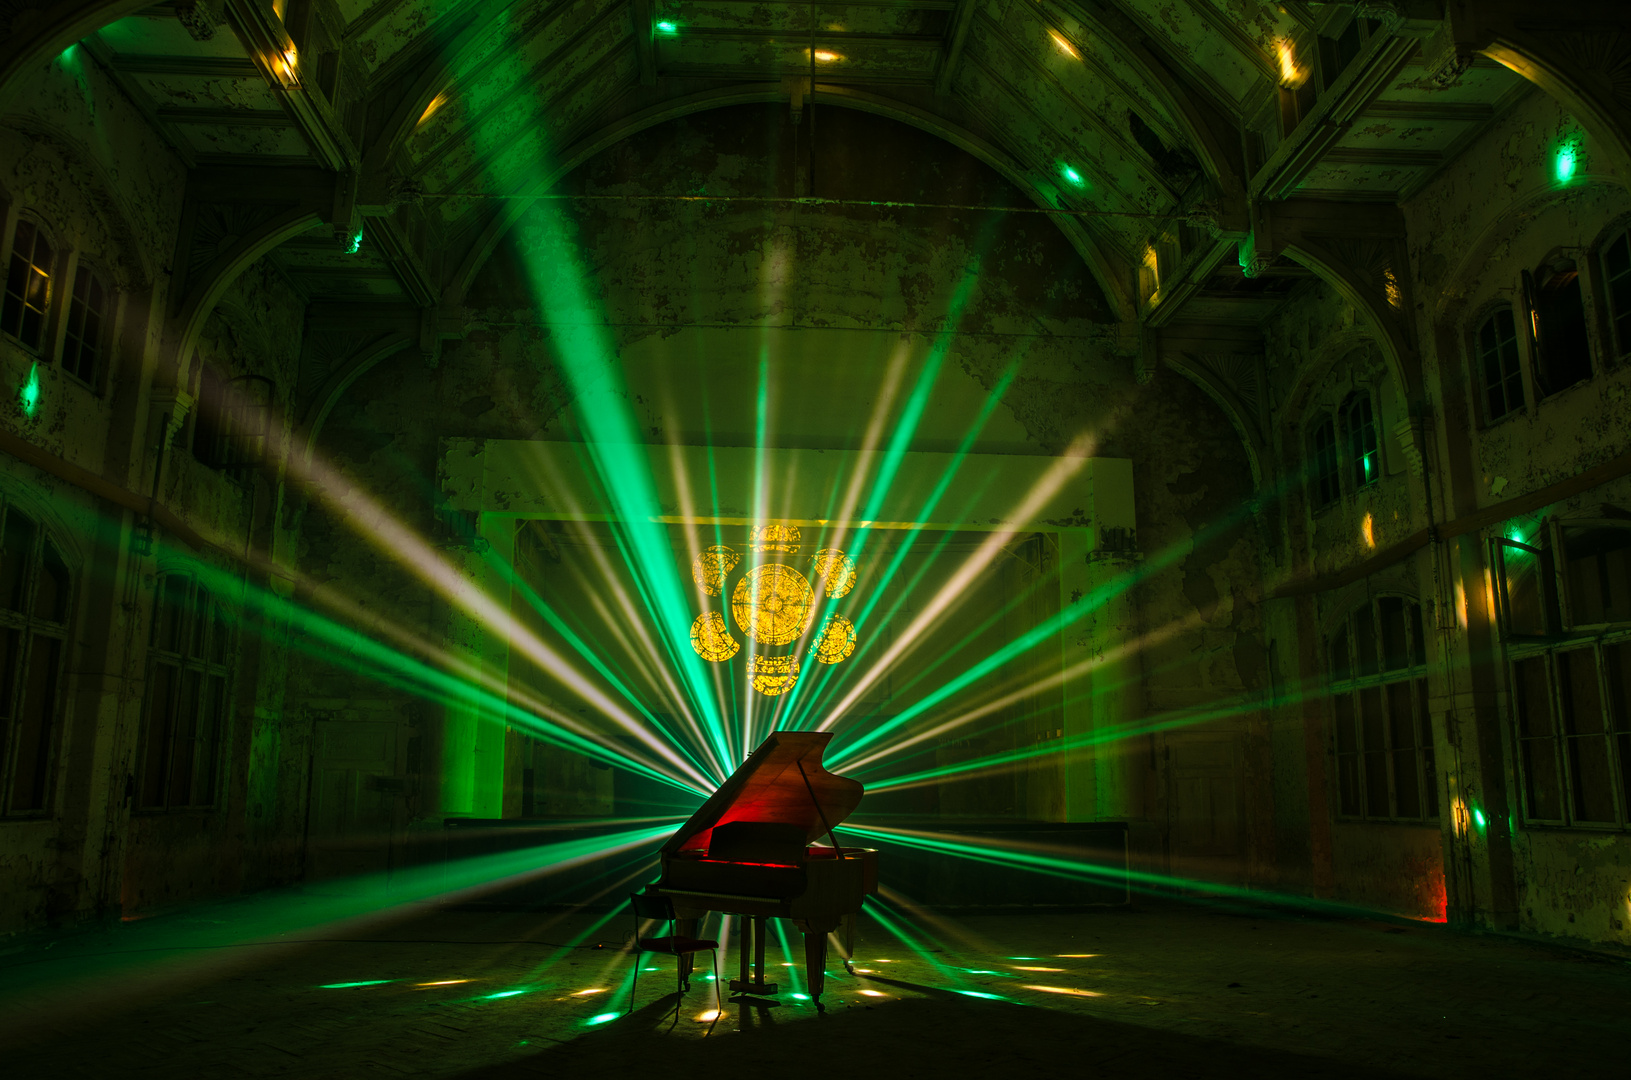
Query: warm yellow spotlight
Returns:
{"type": "Point", "coordinates": [1291, 75]}
{"type": "Point", "coordinates": [285, 65]}
{"type": "Point", "coordinates": [1065, 990]}
{"type": "Point", "coordinates": [1367, 529]}
{"type": "Point", "coordinates": [430, 110]}
{"type": "Point", "coordinates": [1075, 955]}
{"type": "Point", "coordinates": [1064, 45]}
{"type": "Point", "coordinates": [1016, 967]}
{"type": "Point", "coordinates": [586, 993]}
{"type": "Point", "coordinates": [446, 982]}
{"type": "Point", "coordinates": [709, 1017]}
{"type": "Point", "coordinates": [827, 56]}
{"type": "Point", "coordinates": [871, 993]}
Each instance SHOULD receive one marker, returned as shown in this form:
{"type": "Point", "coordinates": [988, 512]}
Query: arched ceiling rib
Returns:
{"type": "Point", "coordinates": [1138, 112]}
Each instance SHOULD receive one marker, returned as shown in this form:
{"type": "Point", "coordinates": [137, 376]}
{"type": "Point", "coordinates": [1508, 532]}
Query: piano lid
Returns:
{"type": "Point", "coordinates": [768, 787]}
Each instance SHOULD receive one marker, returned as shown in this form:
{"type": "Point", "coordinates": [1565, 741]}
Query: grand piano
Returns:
{"type": "Point", "coordinates": [749, 851]}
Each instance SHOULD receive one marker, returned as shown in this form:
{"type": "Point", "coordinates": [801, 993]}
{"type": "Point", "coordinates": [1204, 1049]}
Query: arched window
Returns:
{"type": "Point", "coordinates": [1617, 286]}
{"type": "Point", "coordinates": [1324, 464]}
{"type": "Point", "coordinates": [35, 599]}
{"type": "Point", "coordinates": [1499, 374]}
{"type": "Point", "coordinates": [1557, 316]}
{"type": "Point", "coordinates": [184, 715]}
{"type": "Point", "coordinates": [28, 285]}
{"type": "Point", "coordinates": [82, 341]}
{"type": "Point", "coordinates": [1359, 433]}
{"type": "Point", "coordinates": [1384, 735]}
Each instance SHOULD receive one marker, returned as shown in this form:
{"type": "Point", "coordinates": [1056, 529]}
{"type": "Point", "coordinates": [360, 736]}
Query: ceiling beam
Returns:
{"type": "Point", "coordinates": [956, 38]}
{"type": "Point", "coordinates": [645, 47]}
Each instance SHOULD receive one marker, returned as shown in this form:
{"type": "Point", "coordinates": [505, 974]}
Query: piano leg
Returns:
{"type": "Point", "coordinates": [815, 964]}
{"type": "Point", "coordinates": [753, 944]}
{"type": "Point", "coordinates": [848, 930]}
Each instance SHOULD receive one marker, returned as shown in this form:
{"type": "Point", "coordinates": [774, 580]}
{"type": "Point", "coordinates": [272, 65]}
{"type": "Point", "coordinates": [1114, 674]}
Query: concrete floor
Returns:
{"type": "Point", "coordinates": [1157, 991]}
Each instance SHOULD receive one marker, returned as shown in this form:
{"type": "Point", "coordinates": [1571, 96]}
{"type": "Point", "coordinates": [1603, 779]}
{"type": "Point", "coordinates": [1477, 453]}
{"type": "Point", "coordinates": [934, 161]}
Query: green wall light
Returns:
{"type": "Point", "coordinates": [30, 395]}
{"type": "Point", "coordinates": [1478, 817]}
{"type": "Point", "coordinates": [668, 26]}
{"type": "Point", "coordinates": [1566, 162]}
{"type": "Point", "coordinates": [1071, 175]}
{"type": "Point", "coordinates": [356, 243]}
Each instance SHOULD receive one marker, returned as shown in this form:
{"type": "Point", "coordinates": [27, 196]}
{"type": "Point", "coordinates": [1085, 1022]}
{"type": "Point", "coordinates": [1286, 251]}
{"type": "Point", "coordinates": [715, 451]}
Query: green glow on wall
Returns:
{"type": "Point", "coordinates": [349, 985]}
{"type": "Point", "coordinates": [1566, 162]}
{"type": "Point", "coordinates": [1071, 175]}
{"type": "Point", "coordinates": [356, 243]}
{"type": "Point", "coordinates": [668, 26]}
{"type": "Point", "coordinates": [1478, 817]}
{"type": "Point", "coordinates": [30, 396]}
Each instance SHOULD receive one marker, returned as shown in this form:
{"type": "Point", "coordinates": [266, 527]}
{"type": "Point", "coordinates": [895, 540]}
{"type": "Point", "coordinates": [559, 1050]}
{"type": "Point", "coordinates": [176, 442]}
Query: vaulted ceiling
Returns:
{"type": "Point", "coordinates": [1157, 120]}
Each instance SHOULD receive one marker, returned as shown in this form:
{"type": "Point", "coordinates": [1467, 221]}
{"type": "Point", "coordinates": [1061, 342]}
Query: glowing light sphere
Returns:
{"type": "Point", "coordinates": [835, 570]}
{"type": "Point", "coordinates": [836, 641]}
{"type": "Point", "coordinates": [773, 675]}
{"type": "Point", "coordinates": [710, 568]}
{"type": "Point", "coordinates": [711, 638]}
{"type": "Point", "coordinates": [772, 604]}
{"type": "Point", "coordinates": [1071, 175]}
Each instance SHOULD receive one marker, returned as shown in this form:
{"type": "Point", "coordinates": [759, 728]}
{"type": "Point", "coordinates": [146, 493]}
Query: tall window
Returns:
{"type": "Point", "coordinates": [1565, 607]}
{"type": "Point", "coordinates": [35, 595]}
{"type": "Point", "coordinates": [1359, 432]}
{"type": "Point", "coordinates": [1574, 734]}
{"type": "Point", "coordinates": [184, 715]}
{"type": "Point", "coordinates": [1324, 464]}
{"type": "Point", "coordinates": [1557, 317]}
{"type": "Point", "coordinates": [1498, 371]}
{"type": "Point", "coordinates": [1617, 278]}
{"type": "Point", "coordinates": [1384, 735]}
{"type": "Point", "coordinates": [87, 315]}
{"type": "Point", "coordinates": [28, 285]}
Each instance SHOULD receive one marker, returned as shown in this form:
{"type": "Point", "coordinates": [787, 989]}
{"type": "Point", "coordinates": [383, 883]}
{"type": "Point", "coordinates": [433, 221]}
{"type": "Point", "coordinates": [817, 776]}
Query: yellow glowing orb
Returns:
{"type": "Point", "coordinates": [772, 604]}
{"type": "Point", "coordinates": [836, 640]}
{"type": "Point", "coordinates": [773, 675]}
{"type": "Point", "coordinates": [708, 570]}
{"type": "Point", "coordinates": [837, 568]}
{"type": "Point", "coordinates": [711, 638]}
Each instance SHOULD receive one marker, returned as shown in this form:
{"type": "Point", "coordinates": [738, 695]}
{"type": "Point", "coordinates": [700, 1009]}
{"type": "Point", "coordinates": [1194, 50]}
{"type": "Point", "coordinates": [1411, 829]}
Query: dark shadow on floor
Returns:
{"type": "Point", "coordinates": [915, 1038]}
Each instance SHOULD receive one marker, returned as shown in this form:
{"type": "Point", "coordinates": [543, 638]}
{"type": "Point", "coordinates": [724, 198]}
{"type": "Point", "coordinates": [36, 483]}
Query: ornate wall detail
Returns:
{"type": "Point", "coordinates": [1239, 373]}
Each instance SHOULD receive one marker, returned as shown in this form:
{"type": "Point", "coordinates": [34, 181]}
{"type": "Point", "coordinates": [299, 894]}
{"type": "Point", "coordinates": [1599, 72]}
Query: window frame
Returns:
{"type": "Point", "coordinates": [84, 269]}
{"type": "Point", "coordinates": [1527, 655]}
{"type": "Point", "coordinates": [1355, 461]}
{"type": "Point", "coordinates": [1325, 464]}
{"type": "Point", "coordinates": [200, 659]}
{"type": "Point", "coordinates": [1353, 684]}
{"type": "Point", "coordinates": [27, 628]}
{"type": "Point", "coordinates": [42, 233]}
{"type": "Point", "coordinates": [1518, 377]}
{"type": "Point", "coordinates": [1616, 338]}
{"type": "Point", "coordinates": [1614, 734]}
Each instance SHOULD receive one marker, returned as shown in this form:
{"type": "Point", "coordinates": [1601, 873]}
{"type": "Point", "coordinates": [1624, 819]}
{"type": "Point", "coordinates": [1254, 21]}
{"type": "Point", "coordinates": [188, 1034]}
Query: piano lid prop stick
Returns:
{"type": "Point", "coordinates": [838, 851]}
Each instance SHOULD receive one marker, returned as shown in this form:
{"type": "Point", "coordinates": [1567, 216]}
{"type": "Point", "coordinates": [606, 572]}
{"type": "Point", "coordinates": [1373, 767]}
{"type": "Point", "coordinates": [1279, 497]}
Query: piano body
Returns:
{"type": "Point", "coordinates": [749, 851]}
